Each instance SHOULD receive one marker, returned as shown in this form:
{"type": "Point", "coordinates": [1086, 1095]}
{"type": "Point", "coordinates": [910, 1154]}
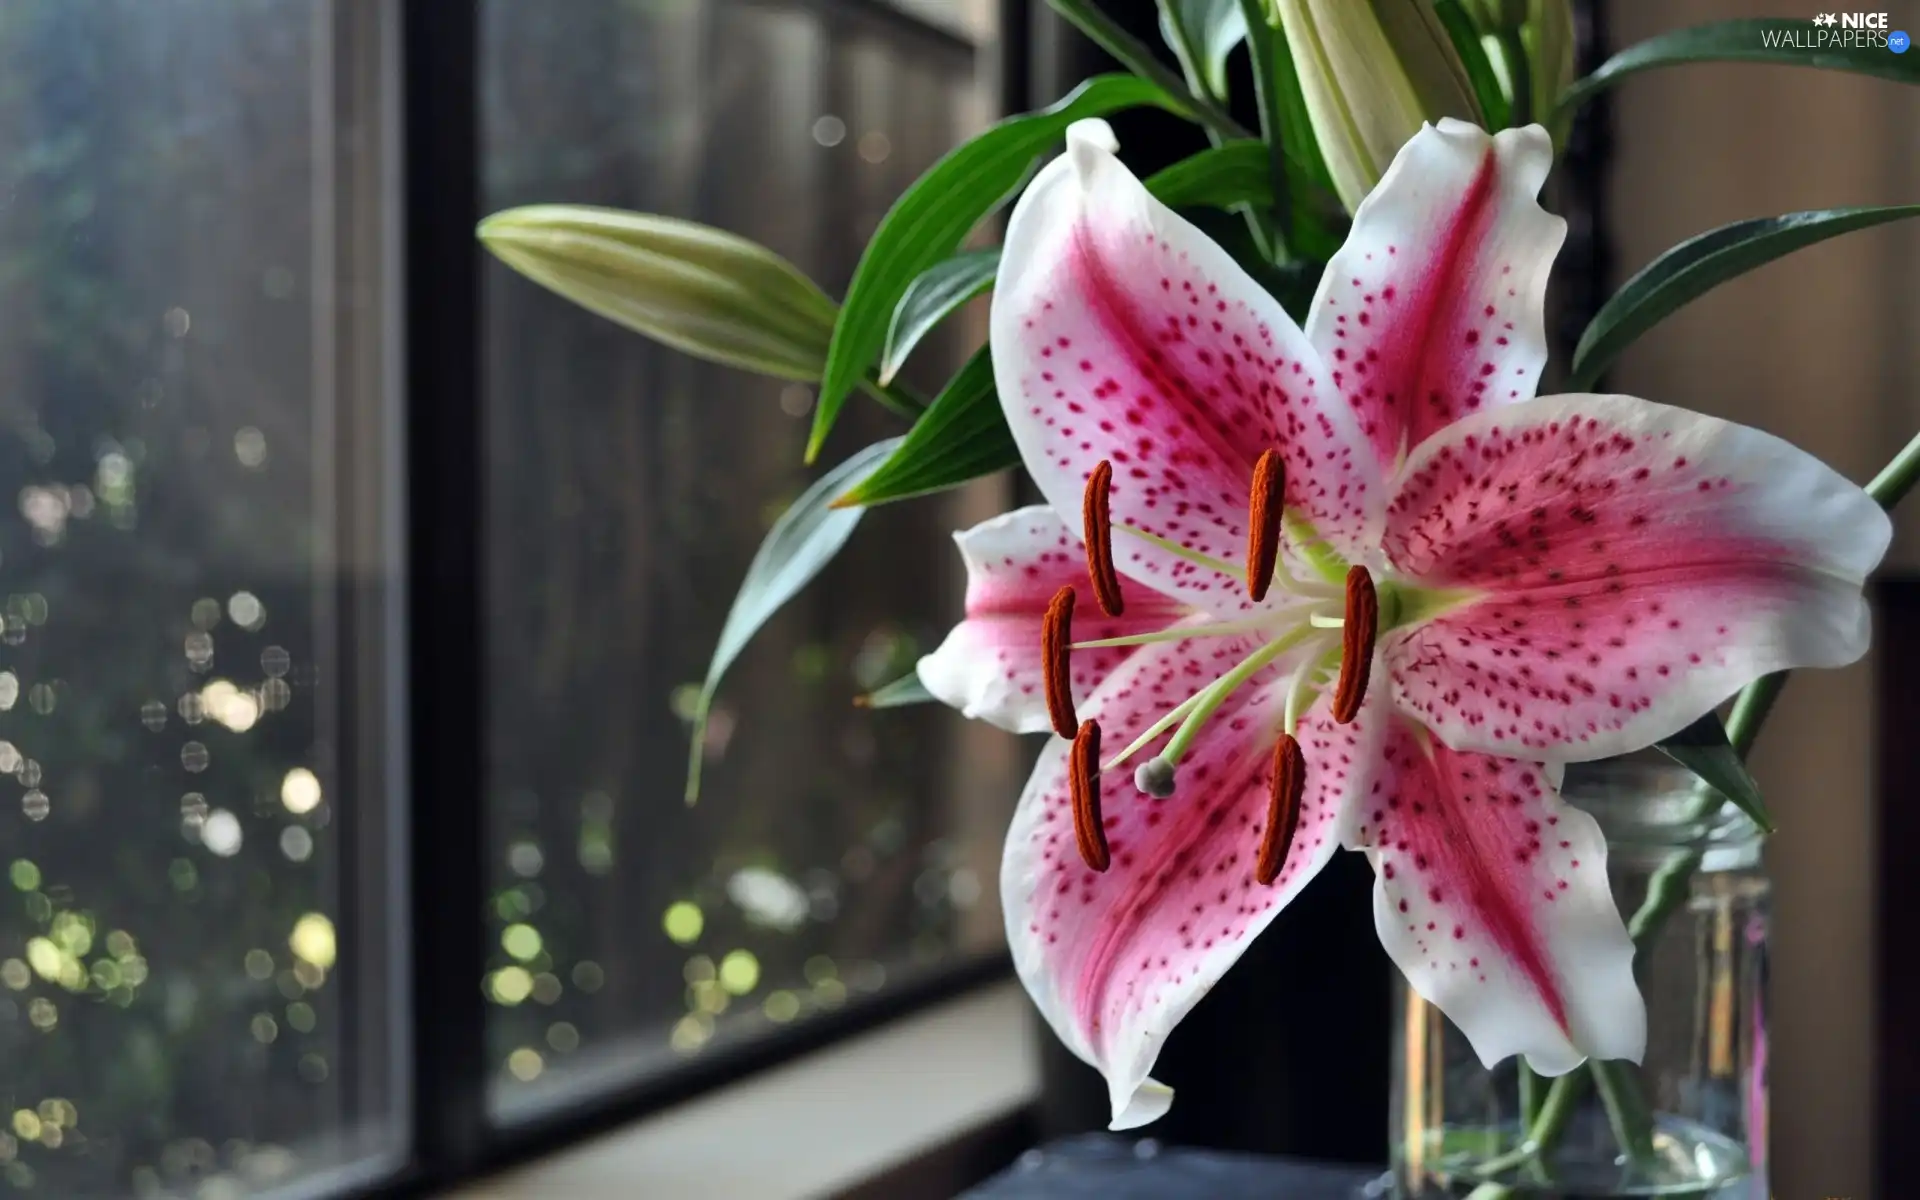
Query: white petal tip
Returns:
{"type": "Point", "coordinates": [1455, 127]}
{"type": "Point", "coordinates": [1142, 1106]}
{"type": "Point", "coordinates": [1088, 141]}
{"type": "Point", "coordinates": [1549, 1066]}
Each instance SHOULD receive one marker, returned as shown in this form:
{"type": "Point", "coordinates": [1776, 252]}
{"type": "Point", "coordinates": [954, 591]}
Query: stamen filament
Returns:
{"type": "Point", "coordinates": [1288, 784]}
{"type": "Point", "coordinates": [1356, 644]}
{"type": "Point", "coordinates": [1175, 633]}
{"type": "Point", "coordinates": [1083, 784]}
{"type": "Point", "coordinates": [1097, 529]}
{"type": "Point", "coordinates": [1298, 587]}
{"type": "Point", "coordinates": [1321, 556]}
{"type": "Point", "coordinates": [1216, 693]}
{"type": "Point", "coordinates": [1281, 575]}
{"type": "Point", "coordinates": [1302, 691]}
{"type": "Point", "coordinates": [1266, 505]}
{"type": "Point", "coordinates": [1179, 551]}
{"type": "Point", "coordinates": [1174, 716]}
{"type": "Point", "coordinates": [1056, 639]}
{"type": "Point", "coordinates": [1323, 621]}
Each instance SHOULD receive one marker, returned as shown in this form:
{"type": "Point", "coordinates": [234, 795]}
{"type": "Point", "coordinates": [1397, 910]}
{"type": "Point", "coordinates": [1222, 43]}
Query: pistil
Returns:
{"type": "Point", "coordinates": [1213, 696]}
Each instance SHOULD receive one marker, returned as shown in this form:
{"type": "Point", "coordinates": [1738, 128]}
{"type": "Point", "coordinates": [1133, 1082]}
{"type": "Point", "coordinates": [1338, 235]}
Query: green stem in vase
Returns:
{"type": "Point", "coordinates": [1627, 1110]}
{"type": "Point", "coordinates": [1532, 1094]}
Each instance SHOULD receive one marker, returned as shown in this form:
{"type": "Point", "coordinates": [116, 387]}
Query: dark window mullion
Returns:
{"type": "Point", "coordinates": [445, 467]}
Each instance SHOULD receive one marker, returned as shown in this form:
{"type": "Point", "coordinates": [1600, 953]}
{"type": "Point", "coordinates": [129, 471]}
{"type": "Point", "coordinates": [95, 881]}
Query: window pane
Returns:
{"type": "Point", "coordinates": [834, 852]}
{"type": "Point", "coordinates": [183, 995]}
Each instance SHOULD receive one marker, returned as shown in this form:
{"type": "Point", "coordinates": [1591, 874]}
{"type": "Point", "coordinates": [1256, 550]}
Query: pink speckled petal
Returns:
{"type": "Point", "coordinates": [1640, 563]}
{"type": "Point", "coordinates": [1116, 960]}
{"type": "Point", "coordinates": [1491, 894]}
{"type": "Point", "coordinates": [1435, 307]}
{"type": "Point", "coordinates": [1121, 332]}
{"type": "Point", "coordinates": [989, 666]}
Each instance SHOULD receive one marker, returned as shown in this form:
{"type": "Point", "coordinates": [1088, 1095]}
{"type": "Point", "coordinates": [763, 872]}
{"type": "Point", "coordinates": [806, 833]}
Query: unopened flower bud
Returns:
{"type": "Point", "coordinates": [698, 289]}
{"type": "Point", "coordinates": [1372, 73]}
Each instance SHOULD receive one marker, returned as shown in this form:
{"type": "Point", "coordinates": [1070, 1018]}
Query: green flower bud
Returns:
{"type": "Point", "coordinates": [1371, 75]}
{"type": "Point", "coordinates": [698, 289]}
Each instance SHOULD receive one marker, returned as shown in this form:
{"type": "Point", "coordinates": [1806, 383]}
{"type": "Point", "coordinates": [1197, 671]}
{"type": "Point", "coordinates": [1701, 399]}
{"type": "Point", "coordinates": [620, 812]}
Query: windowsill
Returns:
{"type": "Point", "coordinates": [819, 1126]}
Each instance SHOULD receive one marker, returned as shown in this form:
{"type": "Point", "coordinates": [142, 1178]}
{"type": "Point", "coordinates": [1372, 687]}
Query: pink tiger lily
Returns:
{"type": "Point", "coordinates": [1538, 581]}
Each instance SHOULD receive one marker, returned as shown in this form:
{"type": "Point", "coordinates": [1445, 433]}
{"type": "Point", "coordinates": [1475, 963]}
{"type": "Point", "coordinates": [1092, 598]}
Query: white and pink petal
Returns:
{"type": "Point", "coordinates": [1121, 332]}
{"type": "Point", "coordinates": [1491, 895]}
{"type": "Point", "coordinates": [1435, 306]}
{"type": "Point", "coordinates": [1635, 565]}
{"type": "Point", "coordinates": [1115, 960]}
{"type": "Point", "coordinates": [989, 666]}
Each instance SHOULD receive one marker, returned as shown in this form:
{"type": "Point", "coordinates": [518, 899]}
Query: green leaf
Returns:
{"type": "Point", "coordinates": [1466, 41]}
{"type": "Point", "coordinates": [1703, 748]}
{"type": "Point", "coordinates": [801, 542]}
{"type": "Point", "coordinates": [1230, 174]}
{"type": "Point", "coordinates": [1138, 57]}
{"type": "Point", "coordinates": [1700, 264]}
{"type": "Point", "coordinates": [928, 223]}
{"type": "Point", "coordinates": [1745, 40]}
{"type": "Point", "coordinates": [898, 694]}
{"type": "Point", "coordinates": [930, 298]}
{"type": "Point", "coordinates": [963, 436]}
{"type": "Point", "coordinates": [1202, 33]}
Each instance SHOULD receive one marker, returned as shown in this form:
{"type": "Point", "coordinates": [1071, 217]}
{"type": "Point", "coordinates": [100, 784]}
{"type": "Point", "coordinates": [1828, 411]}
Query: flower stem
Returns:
{"type": "Point", "coordinates": [1260, 45]}
{"type": "Point", "coordinates": [1627, 1110]}
{"type": "Point", "coordinates": [1135, 56]}
{"type": "Point", "coordinates": [1532, 1094]}
{"type": "Point", "coordinates": [1892, 484]}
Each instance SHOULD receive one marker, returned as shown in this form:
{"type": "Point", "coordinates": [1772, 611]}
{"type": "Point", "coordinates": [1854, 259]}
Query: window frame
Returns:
{"type": "Point", "coordinates": [431, 67]}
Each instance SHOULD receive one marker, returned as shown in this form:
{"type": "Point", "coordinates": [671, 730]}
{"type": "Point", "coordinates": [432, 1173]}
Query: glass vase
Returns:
{"type": "Point", "coordinates": [1692, 1119]}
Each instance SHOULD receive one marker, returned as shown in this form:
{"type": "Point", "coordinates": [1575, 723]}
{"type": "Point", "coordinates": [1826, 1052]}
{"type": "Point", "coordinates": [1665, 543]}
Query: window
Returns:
{"type": "Point", "coordinates": [834, 850]}
{"type": "Point", "coordinates": [190, 694]}
{"type": "Point", "coordinates": [228, 963]}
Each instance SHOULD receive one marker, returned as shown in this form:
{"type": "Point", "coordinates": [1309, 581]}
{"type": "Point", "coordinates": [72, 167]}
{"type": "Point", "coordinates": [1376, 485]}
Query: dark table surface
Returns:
{"type": "Point", "coordinates": [1100, 1167]}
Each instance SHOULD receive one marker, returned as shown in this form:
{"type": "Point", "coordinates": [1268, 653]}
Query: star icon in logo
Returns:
{"type": "Point", "coordinates": [1825, 19]}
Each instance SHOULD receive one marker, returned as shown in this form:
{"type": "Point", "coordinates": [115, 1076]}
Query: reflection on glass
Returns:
{"type": "Point", "coordinates": [175, 966]}
{"type": "Point", "coordinates": [834, 852]}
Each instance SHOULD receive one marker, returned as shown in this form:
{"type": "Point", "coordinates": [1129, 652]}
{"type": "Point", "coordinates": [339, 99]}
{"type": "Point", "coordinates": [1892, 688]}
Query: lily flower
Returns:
{"type": "Point", "coordinates": [1371, 592]}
